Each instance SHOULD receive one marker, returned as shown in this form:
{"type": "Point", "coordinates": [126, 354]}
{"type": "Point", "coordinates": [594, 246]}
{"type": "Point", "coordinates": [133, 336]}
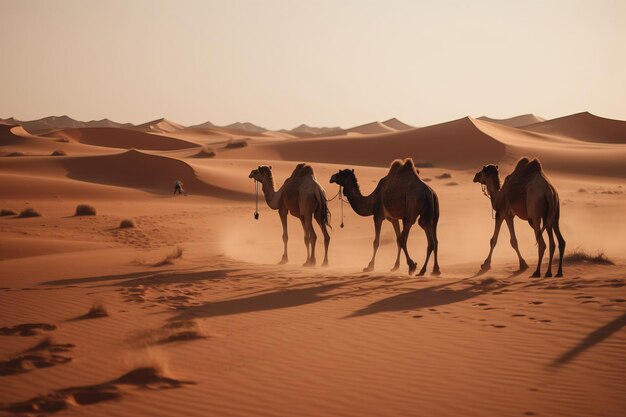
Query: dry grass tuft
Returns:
{"type": "Point", "coordinates": [85, 210]}
{"type": "Point", "coordinates": [234, 144]}
{"type": "Point", "coordinates": [128, 224]}
{"type": "Point", "coordinates": [580, 256]}
{"type": "Point", "coordinates": [29, 212]}
{"type": "Point", "coordinates": [7, 212]}
{"type": "Point", "coordinates": [58, 152]}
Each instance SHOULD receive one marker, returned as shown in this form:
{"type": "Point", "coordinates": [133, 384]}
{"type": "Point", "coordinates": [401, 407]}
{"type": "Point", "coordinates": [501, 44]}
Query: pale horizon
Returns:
{"type": "Point", "coordinates": [280, 64]}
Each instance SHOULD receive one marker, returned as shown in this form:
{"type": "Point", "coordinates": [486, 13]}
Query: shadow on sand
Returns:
{"type": "Point", "coordinates": [434, 296]}
{"type": "Point", "coordinates": [262, 302]}
{"type": "Point", "coordinates": [591, 340]}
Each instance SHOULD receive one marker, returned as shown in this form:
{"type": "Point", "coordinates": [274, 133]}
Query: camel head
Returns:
{"type": "Point", "coordinates": [262, 173]}
{"type": "Point", "coordinates": [488, 171]}
{"type": "Point", "coordinates": [345, 177]}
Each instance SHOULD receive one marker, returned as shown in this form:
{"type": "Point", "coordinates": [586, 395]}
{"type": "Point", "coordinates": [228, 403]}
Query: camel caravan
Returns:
{"type": "Point", "coordinates": [402, 197]}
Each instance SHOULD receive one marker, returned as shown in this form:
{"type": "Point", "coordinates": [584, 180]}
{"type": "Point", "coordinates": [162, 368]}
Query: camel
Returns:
{"type": "Point", "coordinates": [527, 194]}
{"type": "Point", "coordinates": [303, 197]}
{"type": "Point", "coordinates": [400, 195]}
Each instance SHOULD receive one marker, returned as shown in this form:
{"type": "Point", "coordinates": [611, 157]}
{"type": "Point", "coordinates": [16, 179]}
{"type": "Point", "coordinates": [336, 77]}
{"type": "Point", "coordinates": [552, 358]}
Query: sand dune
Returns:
{"type": "Point", "coordinates": [516, 121]}
{"type": "Point", "coordinates": [397, 124]}
{"type": "Point", "coordinates": [245, 127]}
{"type": "Point", "coordinates": [304, 130]}
{"type": "Point", "coordinates": [187, 313]}
{"type": "Point", "coordinates": [122, 138]}
{"type": "Point", "coordinates": [456, 144]}
{"type": "Point", "coordinates": [584, 126]}
{"type": "Point", "coordinates": [160, 125]}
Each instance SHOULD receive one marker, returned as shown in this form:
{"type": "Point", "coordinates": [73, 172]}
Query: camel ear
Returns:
{"type": "Point", "coordinates": [259, 167]}
{"type": "Point", "coordinates": [270, 167]}
{"type": "Point", "coordinates": [496, 167]}
{"type": "Point", "coordinates": [352, 170]}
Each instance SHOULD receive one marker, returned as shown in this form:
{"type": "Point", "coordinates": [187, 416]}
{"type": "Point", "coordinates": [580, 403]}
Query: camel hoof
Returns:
{"type": "Point", "coordinates": [436, 273]}
{"type": "Point", "coordinates": [548, 275]}
{"type": "Point", "coordinates": [420, 274]}
{"type": "Point", "coordinates": [536, 274]}
{"type": "Point", "coordinates": [412, 268]}
{"type": "Point", "coordinates": [368, 268]}
{"type": "Point", "coordinates": [485, 267]}
{"type": "Point", "coordinates": [309, 263]}
{"type": "Point", "coordinates": [325, 264]}
{"type": "Point", "coordinates": [283, 261]}
{"type": "Point", "coordinates": [559, 275]}
{"type": "Point", "coordinates": [523, 266]}
{"type": "Point", "coordinates": [395, 268]}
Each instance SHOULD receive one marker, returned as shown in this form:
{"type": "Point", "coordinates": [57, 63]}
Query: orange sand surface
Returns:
{"type": "Point", "coordinates": [191, 305]}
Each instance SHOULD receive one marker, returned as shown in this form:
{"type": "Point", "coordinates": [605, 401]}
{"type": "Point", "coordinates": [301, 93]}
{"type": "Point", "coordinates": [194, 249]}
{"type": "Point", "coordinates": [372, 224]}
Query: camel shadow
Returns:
{"type": "Point", "coordinates": [164, 277]}
{"type": "Point", "coordinates": [261, 302]}
{"type": "Point", "coordinates": [430, 297]}
{"type": "Point", "coordinates": [592, 339]}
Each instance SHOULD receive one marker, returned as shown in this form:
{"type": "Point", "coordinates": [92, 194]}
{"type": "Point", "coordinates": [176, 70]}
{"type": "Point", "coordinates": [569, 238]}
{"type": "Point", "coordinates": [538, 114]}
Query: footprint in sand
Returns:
{"type": "Point", "coordinates": [480, 304]}
{"type": "Point", "coordinates": [43, 355]}
{"type": "Point", "coordinates": [27, 329]}
{"type": "Point", "coordinates": [518, 315]}
{"type": "Point", "coordinates": [617, 300]}
{"type": "Point", "coordinates": [590, 302]}
{"type": "Point", "coordinates": [545, 321]}
{"type": "Point", "coordinates": [585, 297]}
{"type": "Point", "coordinates": [536, 303]}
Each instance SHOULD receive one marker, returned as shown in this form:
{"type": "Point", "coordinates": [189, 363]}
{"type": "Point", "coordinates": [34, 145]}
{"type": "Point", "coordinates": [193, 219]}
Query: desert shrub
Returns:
{"type": "Point", "coordinates": [234, 144]}
{"type": "Point", "coordinates": [580, 256]}
{"type": "Point", "coordinates": [7, 212]}
{"type": "Point", "coordinates": [85, 210]}
{"type": "Point", "coordinates": [205, 152]}
{"type": "Point", "coordinates": [29, 212]}
{"type": "Point", "coordinates": [58, 152]}
{"type": "Point", "coordinates": [128, 224]}
{"type": "Point", "coordinates": [423, 164]}
{"type": "Point", "coordinates": [17, 154]}
{"type": "Point", "coordinates": [444, 176]}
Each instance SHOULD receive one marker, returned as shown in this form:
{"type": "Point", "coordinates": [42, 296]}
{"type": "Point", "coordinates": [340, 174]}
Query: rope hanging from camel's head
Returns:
{"type": "Point", "coordinates": [256, 191]}
{"type": "Point", "coordinates": [486, 193]}
{"type": "Point", "coordinates": [341, 198]}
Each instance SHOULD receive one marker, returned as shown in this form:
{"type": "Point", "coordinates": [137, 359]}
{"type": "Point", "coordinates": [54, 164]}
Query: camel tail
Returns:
{"type": "Point", "coordinates": [323, 206]}
{"type": "Point", "coordinates": [553, 208]}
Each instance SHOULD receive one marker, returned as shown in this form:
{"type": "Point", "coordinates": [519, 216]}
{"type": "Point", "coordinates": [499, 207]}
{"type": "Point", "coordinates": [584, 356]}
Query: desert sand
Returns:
{"type": "Point", "coordinates": [190, 303]}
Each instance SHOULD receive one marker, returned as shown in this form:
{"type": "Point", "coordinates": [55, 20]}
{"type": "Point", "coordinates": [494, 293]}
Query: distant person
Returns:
{"type": "Point", "coordinates": [178, 187]}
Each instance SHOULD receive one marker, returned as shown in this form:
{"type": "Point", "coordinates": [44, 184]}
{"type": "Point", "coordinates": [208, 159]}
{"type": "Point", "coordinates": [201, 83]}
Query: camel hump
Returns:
{"type": "Point", "coordinates": [402, 167]}
{"type": "Point", "coordinates": [302, 170]}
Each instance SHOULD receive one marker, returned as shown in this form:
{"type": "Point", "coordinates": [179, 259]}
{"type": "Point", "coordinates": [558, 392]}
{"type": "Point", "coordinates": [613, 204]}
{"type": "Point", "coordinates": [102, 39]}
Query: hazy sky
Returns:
{"type": "Point", "coordinates": [282, 63]}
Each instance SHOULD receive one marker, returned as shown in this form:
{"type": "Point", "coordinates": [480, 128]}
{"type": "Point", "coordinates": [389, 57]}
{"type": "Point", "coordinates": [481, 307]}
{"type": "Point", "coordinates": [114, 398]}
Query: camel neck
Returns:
{"type": "Point", "coordinates": [493, 187]}
{"type": "Point", "coordinates": [359, 203]}
{"type": "Point", "coordinates": [268, 191]}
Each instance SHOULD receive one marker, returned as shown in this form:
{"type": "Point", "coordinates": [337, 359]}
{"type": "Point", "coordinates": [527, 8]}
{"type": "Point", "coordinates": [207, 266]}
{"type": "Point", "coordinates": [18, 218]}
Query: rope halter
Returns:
{"type": "Point", "coordinates": [256, 191]}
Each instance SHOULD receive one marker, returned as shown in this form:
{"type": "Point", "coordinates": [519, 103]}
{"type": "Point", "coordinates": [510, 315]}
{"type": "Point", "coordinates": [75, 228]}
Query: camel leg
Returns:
{"type": "Point", "coordinates": [306, 239]}
{"type": "Point", "coordinates": [559, 237]}
{"type": "Point", "coordinates": [541, 247]}
{"type": "Point", "coordinates": [312, 239]}
{"type": "Point", "coordinates": [404, 237]}
{"type": "Point", "coordinates": [522, 263]}
{"type": "Point", "coordinates": [429, 248]}
{"type": "Point", "coordinates": [326, 240]}
{"type": "Point", "coordinates": [396, 228]}
{"type": "Point", "coordinates": [552, 247]}
{"type": "Point", "coordinates": [283, 220]}
{"type": "Point", "coordinates": [433, 232]}
{"type": "Point", "coordinates": [494, 239]}
{"type": "Point", "coordinates": [377, 223]}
